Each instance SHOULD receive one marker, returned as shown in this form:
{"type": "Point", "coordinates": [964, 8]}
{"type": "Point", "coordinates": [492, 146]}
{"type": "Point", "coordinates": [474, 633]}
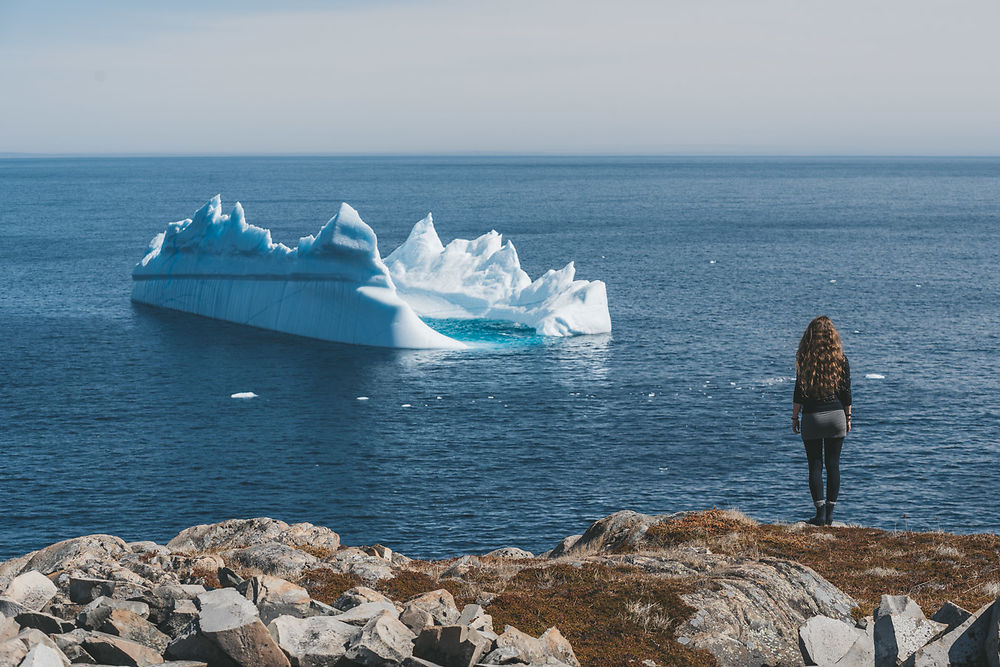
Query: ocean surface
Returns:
{"type": "Point", "coordinates": [116, 418]}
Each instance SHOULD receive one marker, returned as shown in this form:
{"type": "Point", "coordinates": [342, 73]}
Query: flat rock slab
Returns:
{"type": "Point", "coordinates": [825, 640]}
{"type": "Point", "coordinates": [383, 641]}
{"type": "Point", "coordinates": [319, 641]}
{"type": "Point", "coordinates": [966, 644]}
{"type": "Point", "coordinates": [113, 650]}
{"type": "Point", "coordinates": [43, 656]}
{"type": "Point", "coordinates": [84, 590]}
{"type": "Point", "coordinates": [366, 611]}
{"type": "Point", "coordinates": [451, 645]}
{"type": "Point", "coordinates": [899, 636]}
{"type": "Point", "coordinates": [951, 615]}
{"type": "Point", "coordinates": [47, 623]}
{"type": "Point", "coordinates": [32, 589]}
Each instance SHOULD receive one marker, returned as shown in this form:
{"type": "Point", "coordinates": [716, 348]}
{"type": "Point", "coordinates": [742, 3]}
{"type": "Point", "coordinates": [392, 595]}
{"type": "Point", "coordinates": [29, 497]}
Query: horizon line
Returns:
{"type": "Point", "coordinates": [489, 154]}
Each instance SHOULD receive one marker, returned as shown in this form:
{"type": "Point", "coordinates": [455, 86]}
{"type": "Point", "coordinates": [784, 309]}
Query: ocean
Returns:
{"type": "Point", "coordinates": [118, 419]}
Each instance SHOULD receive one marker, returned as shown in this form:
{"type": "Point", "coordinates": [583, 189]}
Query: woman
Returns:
{"type": "Point", "coordinates": [823, 396]}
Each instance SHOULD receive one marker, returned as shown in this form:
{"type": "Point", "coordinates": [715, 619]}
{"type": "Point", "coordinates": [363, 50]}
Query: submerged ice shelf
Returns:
{"type": "Point", "coordinates": [334, 286]}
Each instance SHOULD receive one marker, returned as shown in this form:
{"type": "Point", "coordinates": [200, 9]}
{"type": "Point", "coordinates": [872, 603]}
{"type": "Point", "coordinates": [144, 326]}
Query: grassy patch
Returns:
{"type": "Point", "coordinates": [611, 616]}
{"type": "Point", "coordinates": [326, 585]}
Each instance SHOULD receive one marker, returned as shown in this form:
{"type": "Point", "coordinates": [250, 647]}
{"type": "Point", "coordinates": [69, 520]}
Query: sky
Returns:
{"type": "Point", "coordinates": [730, 77]}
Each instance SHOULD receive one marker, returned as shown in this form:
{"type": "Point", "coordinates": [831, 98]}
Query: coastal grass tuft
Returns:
{"type": "Point", "coordinates": [611, 615]}
{"type": "Point", "coordinates": [865, 563]}
{"type": "Point", "coordinates": [326, 585]}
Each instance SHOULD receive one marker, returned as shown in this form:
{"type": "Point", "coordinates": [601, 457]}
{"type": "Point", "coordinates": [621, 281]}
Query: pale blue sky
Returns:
{"type": "Point", "coordinates": [900, 77]}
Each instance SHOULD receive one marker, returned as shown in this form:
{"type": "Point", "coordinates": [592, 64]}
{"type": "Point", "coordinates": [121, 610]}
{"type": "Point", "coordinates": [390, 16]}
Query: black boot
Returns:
{"type": "Point", "coordinates": [820, 518]}
{"type": "Point", "coordinates": [828, 518]}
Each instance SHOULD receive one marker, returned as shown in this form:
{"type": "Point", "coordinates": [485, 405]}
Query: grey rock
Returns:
{"type": "Point", "coordinates": [135, 606]}
{"type": "Point", "coordinates": [824, 640]}
{"type": "Point", "coordinates": [228, 578]}
{"type": "Point", "coordinates": [965, 644]}
{"type": "Point", "coordinates": [12, 652]}
{"type": "Point", "coordinates": [177, 618]}
{"type": "Point", "coordinates": [475, 617]}
{"type": "Point", "coordinates": [515, 646]}
{"type": "Point", "coordinates": [276, 597]}
{"type": "Point", "coordinates": [899, 605]}
{"type": "Point", "coordinates": [900, 635]}
{"type": "Point", "coordinates": [71, 638]}
{"type": "Point", "coordinates": [78, 553]}
{"type": "Point", "coordinates": [358, 595]}
{"type": "Point", "coordinates": [78, 655]}
{"type": "Point", "coordinates": [992, 644]}
{"type": "Point", "coordinates": [128, 625]}
{"type": "Point", "coordinates": [617, 531]}
{"type": "Point", "coordinates": [227, 631]}
{"type": "Point", "coordinates": [365, 612]}
{"type": "Point", "coordinates": [951, 615]}
{"type": "Point", "coordinates": [113, 650]}
{"type": "Point", "coordinates": [47, 623]}
{"type": "Point", "coordinates": [8, 628]}
{"type": "Point", "coordinates": [31, 638]}
{"type": "Point", "coordinates": [241, 533]}
{"type": "Point", "coordinates": [440, 604]}
{"type": "Point", "coordinates": [419, 662]}
{"type": "Point", "coordinates": [317, 608]}
{"type": "Point", "coordinates": [383, 642]}
{"type": "Point", "coordinates": [184, 663]}
{"type": "Point", "coordinates": [318, 641]}
{"type": "Point", "coordinates": [83, 590]}
{"type": "Point", "coordinates": [563, 547]}
{"type": "Point", "coordinates": [862, 653]}
{"type": "Point", "coordinates": [272, 558]}
{"type": "Point", "coordinates": [32, 589]}
{"type": "Point", "coordinates": [416, 619]}
{"type": "Point", "coordinates": [451, 645]}
{"type": "Point", "coordinates": [43, 656]}
{"type": "Point", "coordinates": [355, 561]}
{"type": "Point", "coordinates": [509, 552]}
{"type": "Point", "coordinates": [748, 611]}
{"type": "Point", "coordinates": [11, 608]}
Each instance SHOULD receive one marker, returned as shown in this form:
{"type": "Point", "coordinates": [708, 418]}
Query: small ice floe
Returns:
{"type": "Point", "coordinates": [711, 261]}
{"type": "Point", "coordinates": [489, 397]}
{"type": "Point", "coordinates": [439, 398]}
{"type": "Point", "coordinates": [833, 281]}
{"type": "Point", "coordinates": [918, 285]}
{"type": "Point", "coordinates": [651, 394]}
{"type": "Point", "coordinates": [243, 395]}
{"type": "Point", "coordinates": [874, 376]}
{"type": "Point", "coordinates": [406, 405]}
{"type": "Point", "coordinates": [362, 398]}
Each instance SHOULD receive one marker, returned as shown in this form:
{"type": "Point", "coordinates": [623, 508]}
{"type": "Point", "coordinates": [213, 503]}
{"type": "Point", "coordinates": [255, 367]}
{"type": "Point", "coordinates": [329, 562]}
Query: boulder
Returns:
{"type": "Point", "coordinates": [440, 604]}
{"type": "Point", "coordinates": [356, 561]}
{"type": "Point", "coordinates": [227, 631]}
{"type": "Point", "coordinates": [992, 644]}
{"type": "Point", "coordinates": [612, 533]}
{"type": "Point", "coordinates": [32, 590]}
{"type": "Point", "coordinates": [96, 612]}
{"type": "Point", "coordinates": [363, 613]}
{"type": "Point", "coordinates": [240, 533]}
{"type": "Point", "coordinates": [565, 544]}
{"type": "Point", "coordinates": [318, 641]}
{"type": "Point", "coordinates": [128, 625]}
{"type": "Point", "coordinates": [965, 644]}
{"type": "Point", "coordinates": [451, 645]}
{"type": "Point", "coordinates": [383, 641]}
{"type": "Point", "coordinates": [113, 650]}
{"type": "Point", "coordinates": [276, 597]}
{"type": "Point", "coordinates": [509, 552]}
{"type": "Point", "coordinates": [824, 641]}
{"type": "Point", "coordinates": [8, 628]}
{"type": "Point", "coordinates": [898, 636]}
{"type": "Point", "coordinates": [475, 617]}
{"type": "Point", "coordinates": [862, 653]}
{"type": "Point", "coordinates": [43, 656]}
{"type": "Point", "coordinates": [11, 608]}
{"type": "Point", "coordinates": [515, 646]}
{"type": "Point", "coordinates": [78, 553]}
{"type": "Point", "coordinates": [416, 619]}
{"type": "Point", "coordinates": [749, 611]}
{"type": "Point", "coordinates": [83, 590]}
{"type": "Point", "coordinates": [899, 605]}
{"type": "Point", "coordinates": [228, 578]}
{"type": "Point", "coordinates": [181, 613]}
{"type": "Point", "coordinates": [951, 615]}
{"type": "Point", "coordinates": [47, 623]}
{"type": "Point", "coordinates": [32, 638]}
{"type": "Point", "coordinates": [12, 652]}
{"type": "Point", "coordinates": [272, 558]}
{"type": "Point", "coordinates": [358, 595]}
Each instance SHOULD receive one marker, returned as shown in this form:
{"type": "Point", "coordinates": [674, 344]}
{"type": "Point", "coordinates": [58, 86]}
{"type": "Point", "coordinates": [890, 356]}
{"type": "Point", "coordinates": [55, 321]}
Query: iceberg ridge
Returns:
{"type": "Point", "coordinates": [482, 278]}
{"type": "Point", "coordinates": [335, 286]}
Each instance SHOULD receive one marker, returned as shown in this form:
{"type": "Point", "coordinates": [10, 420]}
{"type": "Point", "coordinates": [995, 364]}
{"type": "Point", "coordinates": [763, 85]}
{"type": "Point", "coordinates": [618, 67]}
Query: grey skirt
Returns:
{"type": "Point", "coordinates": [830, 424]}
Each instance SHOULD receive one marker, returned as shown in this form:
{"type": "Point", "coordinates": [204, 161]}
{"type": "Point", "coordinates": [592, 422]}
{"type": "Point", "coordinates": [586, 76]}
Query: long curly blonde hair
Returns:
{"type": "Point", "coordinates": [819, 362]}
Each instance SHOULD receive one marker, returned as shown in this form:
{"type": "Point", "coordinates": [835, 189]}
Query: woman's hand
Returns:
{"type": "Point", "coordinates": [795, 424]}
{"type": "Point", "coordinates": [848, 423]}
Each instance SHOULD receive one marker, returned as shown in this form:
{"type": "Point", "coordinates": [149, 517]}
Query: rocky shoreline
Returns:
{"type": "Point", "coordinates": [687, 589]}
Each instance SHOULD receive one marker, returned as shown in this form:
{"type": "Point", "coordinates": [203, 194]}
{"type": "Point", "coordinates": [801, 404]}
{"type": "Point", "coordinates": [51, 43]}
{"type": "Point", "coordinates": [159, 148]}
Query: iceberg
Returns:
{"type": "Point", "coordinates": [335, 286]}
{"type": "Point", "coordinates": [482, 278]}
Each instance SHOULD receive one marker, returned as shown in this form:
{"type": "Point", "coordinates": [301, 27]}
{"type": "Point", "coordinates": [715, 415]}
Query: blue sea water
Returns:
{"type": "Point", "coordinates": [118, 419]}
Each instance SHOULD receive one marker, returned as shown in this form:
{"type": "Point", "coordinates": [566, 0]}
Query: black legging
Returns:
{"type": "Point", "coordinates": [814, 452]}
